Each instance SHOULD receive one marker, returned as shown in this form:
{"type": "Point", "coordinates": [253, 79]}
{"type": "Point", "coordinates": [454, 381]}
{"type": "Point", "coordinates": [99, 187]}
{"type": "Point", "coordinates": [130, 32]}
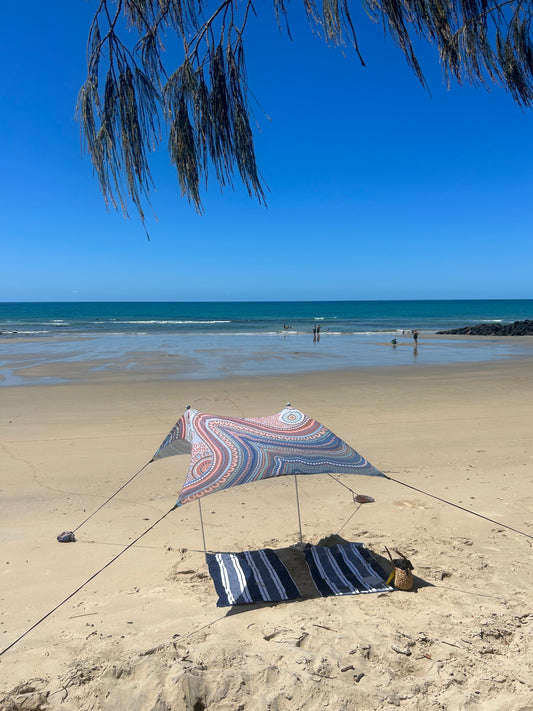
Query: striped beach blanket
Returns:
{"type": "Point", "coordinates": [250, 576]}
{"type": "Point", "coordinates": [345, 569]}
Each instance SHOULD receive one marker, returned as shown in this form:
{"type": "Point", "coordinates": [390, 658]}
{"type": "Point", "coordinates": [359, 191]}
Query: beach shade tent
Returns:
{"type": "Point", "coordinates": [230, 451]}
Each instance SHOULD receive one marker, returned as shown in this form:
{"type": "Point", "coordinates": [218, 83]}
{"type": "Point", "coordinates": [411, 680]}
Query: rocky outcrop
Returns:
{"type": "Point", "coordinates": [518, 328]}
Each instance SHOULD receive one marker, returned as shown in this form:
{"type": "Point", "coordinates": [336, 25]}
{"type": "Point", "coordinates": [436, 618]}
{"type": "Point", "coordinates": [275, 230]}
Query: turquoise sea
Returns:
{"type": "Point", "coordinates": [38, 341]}
{"type": "Point", "coordinates": [338, 317]}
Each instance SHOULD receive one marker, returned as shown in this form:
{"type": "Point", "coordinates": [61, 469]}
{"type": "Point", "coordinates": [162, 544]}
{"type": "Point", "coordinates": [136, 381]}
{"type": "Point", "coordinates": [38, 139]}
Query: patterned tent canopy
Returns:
{"type": "Point", "coordinates": [228, 451]}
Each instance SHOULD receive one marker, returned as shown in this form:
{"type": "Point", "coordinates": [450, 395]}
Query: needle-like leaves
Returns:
{"type": "Point", "coordinates": [130, 91]}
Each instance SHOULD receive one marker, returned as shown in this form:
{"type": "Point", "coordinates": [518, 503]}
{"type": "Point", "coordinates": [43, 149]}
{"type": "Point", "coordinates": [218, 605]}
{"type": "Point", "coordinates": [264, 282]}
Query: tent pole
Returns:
{"type": "Point", "coordinates": [298, 506]}
{"type": "Point", "coordinates": [202, 525]}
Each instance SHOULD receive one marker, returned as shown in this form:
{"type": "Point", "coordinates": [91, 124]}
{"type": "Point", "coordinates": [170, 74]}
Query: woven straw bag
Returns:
{"type": "Point", "coordinates": [403, 579]}
{"type": "Point", "coordinates": [401, 576]}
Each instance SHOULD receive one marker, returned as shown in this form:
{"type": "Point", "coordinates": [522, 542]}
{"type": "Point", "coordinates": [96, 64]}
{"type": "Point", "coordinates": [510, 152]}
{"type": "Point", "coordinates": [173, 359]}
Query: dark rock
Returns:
{"type": "Point", "coordinates": [518, 328]}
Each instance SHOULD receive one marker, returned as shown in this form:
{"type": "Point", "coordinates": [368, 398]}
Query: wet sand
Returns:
{"type": "Point", "coordinates": [173, 357]}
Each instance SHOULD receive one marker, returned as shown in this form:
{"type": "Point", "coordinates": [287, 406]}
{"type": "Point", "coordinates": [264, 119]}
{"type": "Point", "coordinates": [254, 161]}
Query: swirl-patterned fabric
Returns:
{"type": "Point", "coordinates": [228, 451]}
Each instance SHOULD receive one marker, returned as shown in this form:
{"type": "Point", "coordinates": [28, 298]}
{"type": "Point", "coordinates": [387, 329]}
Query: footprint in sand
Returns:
{"type": "Point", "coordinates": [410, 504]}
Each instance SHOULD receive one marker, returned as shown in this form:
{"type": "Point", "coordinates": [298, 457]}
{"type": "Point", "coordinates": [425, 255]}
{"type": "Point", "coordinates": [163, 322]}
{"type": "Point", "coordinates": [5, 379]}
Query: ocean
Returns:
{"type": "Point", "coordinates": [51, 343]}
{"type": "Point", "coordinates": [334, 317]}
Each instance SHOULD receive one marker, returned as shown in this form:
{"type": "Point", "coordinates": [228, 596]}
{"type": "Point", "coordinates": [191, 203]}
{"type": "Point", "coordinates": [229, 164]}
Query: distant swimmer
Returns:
{"type": "Point", "coordinates": [415, 336]}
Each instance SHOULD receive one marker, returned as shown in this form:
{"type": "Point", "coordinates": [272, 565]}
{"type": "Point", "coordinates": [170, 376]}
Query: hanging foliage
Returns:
{"type": "Point", "coordinates": [130, 93]}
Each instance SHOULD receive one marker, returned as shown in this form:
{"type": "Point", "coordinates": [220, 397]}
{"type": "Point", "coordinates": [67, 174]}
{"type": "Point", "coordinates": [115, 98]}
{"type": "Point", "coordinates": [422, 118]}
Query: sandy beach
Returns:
{"type": "Point", "coordinates": [146, 634]}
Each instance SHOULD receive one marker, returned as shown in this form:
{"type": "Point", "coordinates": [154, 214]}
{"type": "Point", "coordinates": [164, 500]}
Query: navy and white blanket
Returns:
{"type": "Point", "coordinates": [345, 569]}
{"type": "Point", "coordinates": [250, 576]}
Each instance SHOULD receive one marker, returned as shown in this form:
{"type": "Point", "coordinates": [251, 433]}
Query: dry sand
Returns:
{"type": "Point", "coordinates": [146, 634]}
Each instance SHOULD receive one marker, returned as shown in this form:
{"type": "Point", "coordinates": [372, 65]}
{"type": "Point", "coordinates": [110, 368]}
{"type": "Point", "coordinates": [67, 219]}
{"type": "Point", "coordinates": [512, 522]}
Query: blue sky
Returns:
{"type": "Point", "coordinates": [378, 188]}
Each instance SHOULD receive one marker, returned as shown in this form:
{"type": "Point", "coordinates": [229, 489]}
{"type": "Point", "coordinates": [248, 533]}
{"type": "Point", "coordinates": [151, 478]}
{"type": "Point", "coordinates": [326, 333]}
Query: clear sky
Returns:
{"type": "Point", "coordinates": [378, 189]}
